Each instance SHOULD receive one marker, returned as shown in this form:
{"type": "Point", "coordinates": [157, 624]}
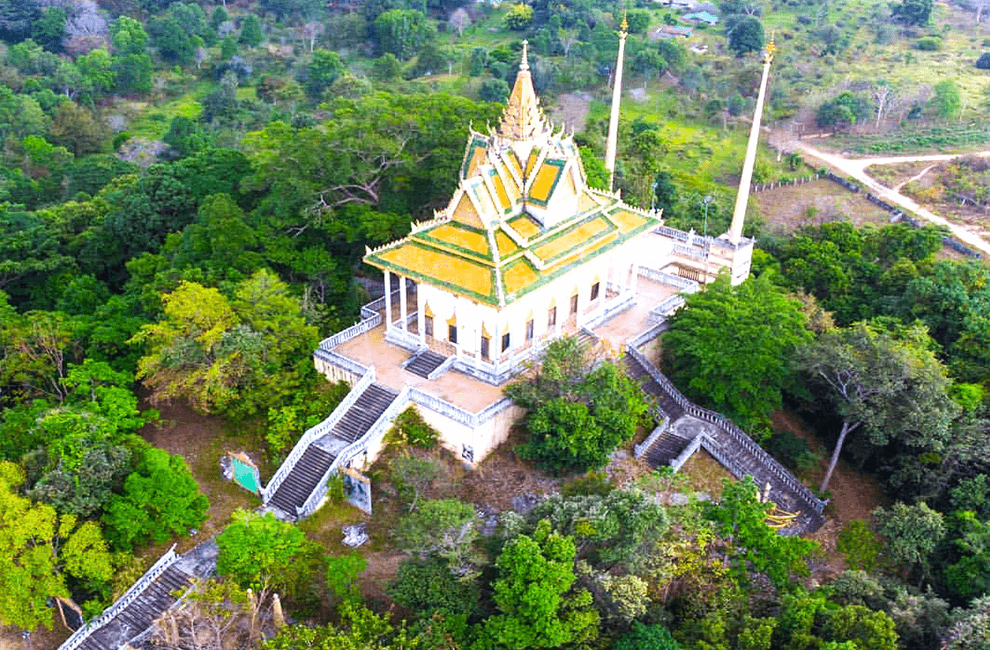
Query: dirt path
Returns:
{"type": "Point", "coordinates": [916, 177]}
{"type": "Point", "coordinates": [856, 168]}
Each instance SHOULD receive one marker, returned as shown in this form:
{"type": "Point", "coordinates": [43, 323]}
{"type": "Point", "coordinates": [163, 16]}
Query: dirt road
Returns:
{"type": "Point", "coordinates": [856, 168]}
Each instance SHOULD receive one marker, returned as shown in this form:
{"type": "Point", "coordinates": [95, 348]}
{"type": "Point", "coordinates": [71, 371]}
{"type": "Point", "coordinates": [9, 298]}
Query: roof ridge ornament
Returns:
{"type": "Point", "coordinates": [522, 118]}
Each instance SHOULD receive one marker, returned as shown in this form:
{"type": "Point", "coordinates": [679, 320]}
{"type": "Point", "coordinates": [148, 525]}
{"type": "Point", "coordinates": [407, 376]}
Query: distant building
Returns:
{"type": "Point", "coordinates": [701, 17]}
{"type": "Point", "coordinates": [670, 31]}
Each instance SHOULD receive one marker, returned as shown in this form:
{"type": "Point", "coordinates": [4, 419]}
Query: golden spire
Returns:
{"type": "Point", "coordinates": [624, 25]}
{"type": "Point", "coordinates": [522, 118]}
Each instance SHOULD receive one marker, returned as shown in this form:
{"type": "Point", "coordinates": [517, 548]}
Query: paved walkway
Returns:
{"type": "Point", "coordinates": [856, 168]}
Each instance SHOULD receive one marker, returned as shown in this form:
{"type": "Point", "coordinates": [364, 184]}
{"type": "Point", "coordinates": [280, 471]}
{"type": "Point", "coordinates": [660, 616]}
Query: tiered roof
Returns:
{"type": "Point", "coordinates": [521, 216]}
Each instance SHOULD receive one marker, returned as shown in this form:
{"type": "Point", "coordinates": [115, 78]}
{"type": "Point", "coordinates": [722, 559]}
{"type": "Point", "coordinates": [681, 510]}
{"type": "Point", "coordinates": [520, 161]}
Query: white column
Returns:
{"type": "Point", "coordinates": [402, 303]}
{"type": "Point", "coordinates": [421, 316]}
{"type": "Point", "coordinates": [635, 276]}
{"type": "Point", "coordinates": [613, 123]}
{"type": "Point", "coordinates": [742, 195]}
{"type": "Point", "coordinates": [388, 300]}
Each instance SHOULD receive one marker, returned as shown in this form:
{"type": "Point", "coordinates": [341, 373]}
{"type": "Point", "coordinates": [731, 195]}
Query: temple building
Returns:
{"type": "Point", "coordinates": [525, 252]}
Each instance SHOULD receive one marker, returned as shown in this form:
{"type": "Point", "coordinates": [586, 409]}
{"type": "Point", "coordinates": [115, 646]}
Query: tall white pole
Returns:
{"type": "Point", "coordinates": [613, 123]}
{"type": "Point", "coordinates": [742, 197]}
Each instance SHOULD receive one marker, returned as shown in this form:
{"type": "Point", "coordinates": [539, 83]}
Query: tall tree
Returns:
{"type": "Point", "coordinates": [730, 345]}
{"type": "Point", "coordinates": [228, 356]}
{"type": "Point", "coordinates": [891, 386]}
{"type": "Point", "coordinates": [577, 413]}
{"type": "Point", "coordinates": [39, 550]}
{"type": "Point", "coordinates": [535, 595]}
{"type": "Point", "coordinates": [160, 499]}
{"type": "Point", "coordinates": [260, 551]}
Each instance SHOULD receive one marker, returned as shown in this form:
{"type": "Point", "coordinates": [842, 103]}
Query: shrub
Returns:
{"type": "Point", "coordinates": [928, 44]}
{"type": "Point", "coordinates": [983, 63]}
{"type": "Point", "coordinates": [793, 451]}
{"type": "Point", "coordinates": [409, 428]}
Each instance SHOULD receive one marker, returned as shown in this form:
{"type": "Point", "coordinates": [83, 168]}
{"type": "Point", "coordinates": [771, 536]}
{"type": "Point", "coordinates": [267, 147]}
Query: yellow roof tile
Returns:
{"type": "Point", "coordinates": [505, 244]}
{"type": "Point", "coordinates": [472, 240]}
{"type": "Point", "coordinates": [546, 179]}
{"type": "Point", "coordinates": [572, 238]}
{"type": "Point", "coordinates": [525, 226]}
{"type": "Point", "coordinates": [503, 197]}
{"type": "Point", "coordinates": [626, 220]}
{"type": "Point", "coordinates": [439, 267]}
{"type": "Point", "coordinates": [519, 276]}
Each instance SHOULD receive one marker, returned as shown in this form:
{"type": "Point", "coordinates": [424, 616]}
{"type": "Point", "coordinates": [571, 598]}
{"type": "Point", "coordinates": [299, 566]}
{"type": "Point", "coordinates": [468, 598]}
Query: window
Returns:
{"type": "Point", "coordinates": [594, 290]}
{"type": "Point", "coordinates": [551, 317]}
{"type": "Point", "coordinates": [574, 301]}
{"type": "Point", "coordinates": [452, 333]}
{"type": "Point", "coordinates": [529, 330]}
{"type": "Point", "coordinates": [428, 325]}
{"type": "Point", "coordinates": [505, 342]}
{"type": "Point", "coordinates": [484, 347]}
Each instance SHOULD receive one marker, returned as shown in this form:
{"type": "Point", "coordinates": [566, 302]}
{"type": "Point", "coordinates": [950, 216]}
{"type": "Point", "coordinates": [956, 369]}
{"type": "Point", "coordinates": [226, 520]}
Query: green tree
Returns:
{"type": "Point", "coordinates": [39, 550]}
{"type": "Point", "coordinates": [49, 30]}
{"type": "Point", "coordinates": [403, 32]}
{"type": "Point", "coordinates": [133, 72]}
{"type": "Point", "coordinates": [535, 595]}
{"type": "Point", "coordinates": [970, 576]}
{"type": "Point", "coordinates": [226, 356]}
{"type": "Point", "coordinates": [893, 387]}
{"type": "Point", "coordinates": [519, 17]}
{"type": "Point", "coordinates": [251, 31]}
{"type": "Point", "coordinates": [947, 98]}
{"type": "Point", "coordinates": [910, 533]}
{"type": "Point", "coordinates": [174, 42]}
{"type": "Point", "coordinates": [128, 36]}
{"type": "Point", "coordinates": [576, 414]}
{"type": "Point", "coordinates": [743, 374]}
{"type": "Point", "coordinates": [97, 70]}
{"type": "Point", "coordinates": [493, 90]}
{"type": "Point", "coordinates": [444, 528]}
{"type": "Point", "coordinates": [914, 12]}
{"type": "Point", "coordinates": [740, 520]}
{"type": "Point", "coordinates": [160, 499]}
{"type": "Point", "coordinates": [74, 128]}
{"type": "Point", "coordinates": [322, 71]}
{"type": "Point", "coordinates": [386, 68]}
{"type": "Point", "coordinates": [429, 586]}
{"type": "Point", "coordinates": [746, 35]}
{"type": "Point", "coordinates": [260, 551]}
{"type": "Point", "coordinates": [359, 628]}
{"type": "Point", "coordinates": [616, 528]}
{"type": "Point", "coordinates": [646, 637]}
{"type": "Point", "coordinates": [342, 573]}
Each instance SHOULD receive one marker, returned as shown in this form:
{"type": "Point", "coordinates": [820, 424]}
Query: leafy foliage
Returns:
{"type": "Point", "coordinates": [160, 499]}
{"type": "Point", "coordinates": [577, 415]}
{"type": "Point", "coordinates": [261, 551]}
{"type": "Point", "coordinates": [534, 594]}
{"type": "Point", "coordinates": [742, 375]}
{"type": "Point", "coordinates": [39, 550]}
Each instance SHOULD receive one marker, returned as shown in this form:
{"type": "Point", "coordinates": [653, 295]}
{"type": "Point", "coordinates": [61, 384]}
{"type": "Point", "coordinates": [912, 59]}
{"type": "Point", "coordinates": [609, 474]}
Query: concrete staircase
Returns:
{"type": "Point", "coordinates": [729, 446]}
{"type": "Point", "coordinates": [666, 403]}
{"type": "Point", "coordinates": [666, 448]}
{"type": "Point", "coordinates": [311, 467]}
{"type": "Point", "coordinates": [138, 616]}
{"type": "Point", "coordinates": [423, 363]}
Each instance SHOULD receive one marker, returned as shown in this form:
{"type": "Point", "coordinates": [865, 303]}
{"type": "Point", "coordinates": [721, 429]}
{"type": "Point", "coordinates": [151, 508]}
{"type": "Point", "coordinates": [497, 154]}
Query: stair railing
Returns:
{"type": "Point", "coordinates": [659, 430]}
{"type": "Point", "coordinates": [135, 590]}
{"type": "Point", "coordinates": [316, 432]}
{"type": "Point", "coordinates": [374, 433]}
{"type": "Point", "coordinates": [733, 432]}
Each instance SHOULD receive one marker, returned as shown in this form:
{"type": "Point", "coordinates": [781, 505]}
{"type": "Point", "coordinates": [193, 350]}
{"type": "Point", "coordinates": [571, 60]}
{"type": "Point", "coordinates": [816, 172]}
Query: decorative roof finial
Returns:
{"type": "Point", "coordinates": [524, 63]}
